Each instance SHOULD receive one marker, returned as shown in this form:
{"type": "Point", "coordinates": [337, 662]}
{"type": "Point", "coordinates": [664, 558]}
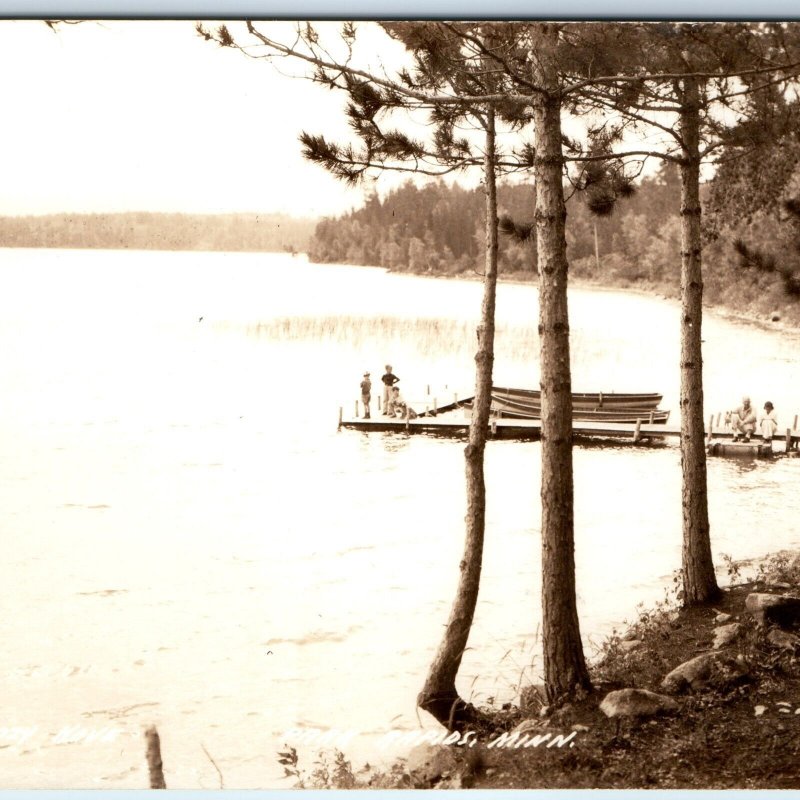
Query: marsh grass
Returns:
{"type": "Point", "coordinates": [427, 335]}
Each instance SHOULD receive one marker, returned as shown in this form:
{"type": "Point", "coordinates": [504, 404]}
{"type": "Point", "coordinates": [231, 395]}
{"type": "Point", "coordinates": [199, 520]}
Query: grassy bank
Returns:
{"type": "Point", "coordinates": [738, 727]}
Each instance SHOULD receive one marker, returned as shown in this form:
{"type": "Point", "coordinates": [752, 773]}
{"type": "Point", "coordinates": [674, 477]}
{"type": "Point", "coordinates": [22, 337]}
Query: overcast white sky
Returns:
{"type": "Point", "coordinates": [121, 116]}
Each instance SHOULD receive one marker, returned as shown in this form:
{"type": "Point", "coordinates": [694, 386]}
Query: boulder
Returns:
{"type": "Point", "coordinates": [693, 674]}
{"type": "Point", "coordinates": [774, 583]}
{"type": "Point", "coordinates": [629, 644]}
{"type": "Point", "coordinates": [721, 619]}
{"type": "Point", "coordinates": [698, 672]}
{"type": "Point", "coordinates": [636, 703]}
{"type": "Point", "coordinates": [783, 639]}
{"type": "Point", "coordinates": [429, 763]}
{"type": "Point", "coordinates": [726, 634]}
{"type": "Point", "coordinates": [782, 609]}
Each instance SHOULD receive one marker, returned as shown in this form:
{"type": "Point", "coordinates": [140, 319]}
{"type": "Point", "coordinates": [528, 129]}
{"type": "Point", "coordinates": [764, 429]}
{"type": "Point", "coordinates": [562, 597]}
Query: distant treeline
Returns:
{"type": "Point", "coordinates": [439, 228]}
{"type": "Point", "coordinates": [158, 231]}
{"type": "Point", "coordinates": [436, 228]}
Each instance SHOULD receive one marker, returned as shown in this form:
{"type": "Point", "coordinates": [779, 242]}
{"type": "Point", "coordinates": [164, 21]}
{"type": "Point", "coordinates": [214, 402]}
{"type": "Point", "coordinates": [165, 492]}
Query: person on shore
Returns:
{"type": "Point", "coordinates": [743, 421]}
{"type": "Point", "coordinates": [399, 405]}
{"type": "Point", "coordinates": [768, 424]}
{"type": "Point", "coordinates": [366, 394]}
{"type": "Point", "coordinates": [389, 379]}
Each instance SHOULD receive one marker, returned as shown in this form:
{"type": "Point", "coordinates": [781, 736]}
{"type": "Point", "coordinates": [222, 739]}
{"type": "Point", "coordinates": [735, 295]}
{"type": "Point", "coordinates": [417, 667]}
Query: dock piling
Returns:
{"type": "Point", "coordinates": [356, 409]}
{"type": "Point", "coordinates": [710, 428]}
{"type": "Point", "coordinates": [435, 406]}
{"type": "Point", "coordinates": [379, 402]}
{"type": "Point", "coordinates": [154, 764]}
{"type": "Point", "coordinates": [719, 417]}
{"type": "Point", "coordinates": [340, 418]}
{"type": "Point", "coordinates": [788, 439]}
{"type": "Point", "coordinates": [637, 431]}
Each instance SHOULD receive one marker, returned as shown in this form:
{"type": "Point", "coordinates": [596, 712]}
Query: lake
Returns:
{"type": "Point", "coordinates": [189, 541]}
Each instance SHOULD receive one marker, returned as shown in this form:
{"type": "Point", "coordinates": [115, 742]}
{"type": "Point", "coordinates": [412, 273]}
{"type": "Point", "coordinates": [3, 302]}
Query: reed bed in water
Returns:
{"type": "Point", "coordinates": [427, 334]}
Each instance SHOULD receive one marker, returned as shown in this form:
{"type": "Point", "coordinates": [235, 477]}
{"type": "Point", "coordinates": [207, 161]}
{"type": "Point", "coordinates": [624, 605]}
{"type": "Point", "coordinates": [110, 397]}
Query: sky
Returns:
{"type": "Point", "coordinates": [146, 115]}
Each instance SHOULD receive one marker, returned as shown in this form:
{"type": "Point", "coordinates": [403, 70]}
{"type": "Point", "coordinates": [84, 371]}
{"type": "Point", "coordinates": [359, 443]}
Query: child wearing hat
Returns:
{"type": "Point", "coordinates": [366, 394]}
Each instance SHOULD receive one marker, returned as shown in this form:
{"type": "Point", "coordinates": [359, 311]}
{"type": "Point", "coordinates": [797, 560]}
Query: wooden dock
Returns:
{"type": "Point", "coordinates": [530, 430]}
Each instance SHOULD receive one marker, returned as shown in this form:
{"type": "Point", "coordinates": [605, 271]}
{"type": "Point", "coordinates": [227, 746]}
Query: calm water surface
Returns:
{"type": "Point", "coordinates": [189, 542]}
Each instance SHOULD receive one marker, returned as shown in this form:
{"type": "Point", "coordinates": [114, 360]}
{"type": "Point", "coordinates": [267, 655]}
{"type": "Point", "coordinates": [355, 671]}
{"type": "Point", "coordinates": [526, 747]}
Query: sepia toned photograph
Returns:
{"type": "Point", "coordinates": [400, 404]}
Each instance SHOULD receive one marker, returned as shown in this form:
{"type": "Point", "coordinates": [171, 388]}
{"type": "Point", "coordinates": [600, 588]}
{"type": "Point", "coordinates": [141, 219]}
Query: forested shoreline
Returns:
{"type": "Point", "coordinates": [438, 229]}
{"type": "Point", "coordinates": [142, 230]}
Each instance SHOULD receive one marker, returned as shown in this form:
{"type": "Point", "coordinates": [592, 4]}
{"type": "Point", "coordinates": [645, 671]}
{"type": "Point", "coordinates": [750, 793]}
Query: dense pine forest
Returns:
{"type": "Point", "coordinates": [155, 231]}
{"type": "Point", "coordinates": [438, 228]}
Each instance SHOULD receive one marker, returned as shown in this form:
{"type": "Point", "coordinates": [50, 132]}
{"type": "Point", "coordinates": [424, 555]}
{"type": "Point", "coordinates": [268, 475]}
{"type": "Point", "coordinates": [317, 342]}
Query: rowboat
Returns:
{"type": "Point", "coordinates": [514, 410]}
{"type": "Point", "coordinates": [583, 401]}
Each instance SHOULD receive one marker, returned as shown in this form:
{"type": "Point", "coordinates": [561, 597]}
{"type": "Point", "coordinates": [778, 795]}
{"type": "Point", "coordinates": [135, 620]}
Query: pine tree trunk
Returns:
{"type": "Point", "coordinates": [439, 695]}
{"type": "Point", "coordinates": [564, 664]}
{"type": "Point", "coordinates": [699, 580]}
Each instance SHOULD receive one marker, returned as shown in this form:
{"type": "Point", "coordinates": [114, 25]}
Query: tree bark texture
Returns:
{"type": "Point", "coordinates": [439, 695]}
{"type": "Point", "coordinates": [564, 663]}
{"type": "Point", "coordinates": [699, 579]}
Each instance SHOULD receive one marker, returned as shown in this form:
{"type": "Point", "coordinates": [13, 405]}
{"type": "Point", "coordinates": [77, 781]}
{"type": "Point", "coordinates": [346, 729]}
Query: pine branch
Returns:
{"type": "Point", "coordinates": [518, 231]}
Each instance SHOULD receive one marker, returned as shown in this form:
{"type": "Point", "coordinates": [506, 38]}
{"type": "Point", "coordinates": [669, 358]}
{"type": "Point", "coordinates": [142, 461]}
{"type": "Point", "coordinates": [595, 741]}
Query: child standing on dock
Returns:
{"type": "Point", "coordinates": [366, 394]}
{"type": "Point", "coordinates": [389, 380]}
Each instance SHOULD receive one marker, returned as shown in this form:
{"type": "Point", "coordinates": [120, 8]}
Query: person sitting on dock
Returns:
{"type": "Point", "coordinates": [743, 421]}
{"type": "Point", "coordinates": [399, 404]}
{"type": "Point", "coordinates": [768, 424]}
{"type": "Point", "coordinates": [366, 394]}
{"type": "Point", "coordinates": [389, 380]}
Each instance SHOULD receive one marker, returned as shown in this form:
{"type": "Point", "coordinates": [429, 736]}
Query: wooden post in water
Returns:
{"type": "Point", "coordinates": [428, 390]}
{"type": "Point", "coordinates": [719, 417]}
{"type": "Point", "coordinates": [408, 414]}
{"type": "Point", "coordinates": [788, 439]}
{"type": "Point", "coordinates": [652, 417]}
{"type": "Point", "coordinates": [710, 428]}
{"type": "Point", "coordinates": [154, 765]}
{"type": "Point", "coordinates": [356, 409]}
{"type": "Point", "coordinates": [637, 431]}
{"type": "Point", "coordinates": [435, 406]}
{"type": "Point", "coordinates": [601, 399]}
{"type": "Point", "coordinates": [379, 403]}
{"type": "Point", "coordinates": [340, 418]}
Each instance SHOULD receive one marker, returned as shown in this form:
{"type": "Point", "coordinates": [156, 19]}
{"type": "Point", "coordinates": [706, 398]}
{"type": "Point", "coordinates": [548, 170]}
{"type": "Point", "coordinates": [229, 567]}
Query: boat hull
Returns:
{"type": "Point", "coordinates": [512, 410]}
{"type": "Point", "coordinates": [582, 401]}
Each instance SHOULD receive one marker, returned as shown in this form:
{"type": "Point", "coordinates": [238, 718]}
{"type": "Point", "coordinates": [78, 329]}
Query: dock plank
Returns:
{"type": "Point", "coordinates": [530, 429]}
